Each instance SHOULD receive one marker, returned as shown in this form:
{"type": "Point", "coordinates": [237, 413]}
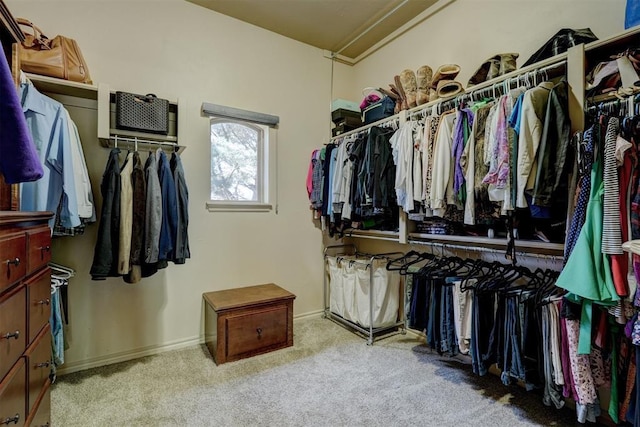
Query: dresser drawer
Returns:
{"type": "Point", "coordinates": [12, 396]}
{"type": "Point", "coordinates": [40, 416]}
{"type": "Point", "coordinates": [39, 306]}
{"type": "Point", "coordinates": [39, 248]}
{"type": "Point", "coordinates": [13, 327]}
{"type": "Point", "coordinates": [13, 260]}
{"type": "Point", "coordinates": [38, 365]}
{"type": "Point", "coordinates": [256, 330]}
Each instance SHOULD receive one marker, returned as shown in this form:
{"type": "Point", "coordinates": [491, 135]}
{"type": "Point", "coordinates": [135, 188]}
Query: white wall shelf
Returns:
{"type": "Point", "coordinates": [107, 131]}
{"type": "Point", "coordinates": [63, 87]}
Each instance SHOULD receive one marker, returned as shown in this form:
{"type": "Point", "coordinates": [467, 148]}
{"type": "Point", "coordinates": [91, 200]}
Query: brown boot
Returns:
{"type": "Point", "coordinates": [403, 96]}
{"type": "Point", "coordinates": [508, 62]}
{"type": "Point", "coordinates": [409, 86]}
{"type": "Point", "coordinates": [423, 80]}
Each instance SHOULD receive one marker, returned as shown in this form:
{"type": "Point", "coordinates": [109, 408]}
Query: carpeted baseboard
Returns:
{"type": "Point", "coordinates": [124, 356]}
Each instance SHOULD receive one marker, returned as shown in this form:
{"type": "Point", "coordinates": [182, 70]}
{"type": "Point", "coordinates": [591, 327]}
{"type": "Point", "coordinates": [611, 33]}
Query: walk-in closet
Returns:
{"type": "Point", "coordinates": [319, 213]}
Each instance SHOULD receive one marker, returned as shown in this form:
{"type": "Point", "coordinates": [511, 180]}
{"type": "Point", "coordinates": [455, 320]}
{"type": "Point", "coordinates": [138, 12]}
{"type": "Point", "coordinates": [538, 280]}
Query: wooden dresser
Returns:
{"type": "Point", "coordinates": [25, 305]}
{"type": "Point", "coordinates": [244, 322]}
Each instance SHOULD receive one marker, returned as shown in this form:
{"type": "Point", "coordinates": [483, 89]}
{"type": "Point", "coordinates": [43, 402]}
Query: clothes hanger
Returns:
{"type": "Point", "coordinates": [62, 271]}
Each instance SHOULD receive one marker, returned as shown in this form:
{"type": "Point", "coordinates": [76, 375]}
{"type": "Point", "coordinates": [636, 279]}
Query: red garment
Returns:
{"type": "Point", "coordinates": [620, 263]}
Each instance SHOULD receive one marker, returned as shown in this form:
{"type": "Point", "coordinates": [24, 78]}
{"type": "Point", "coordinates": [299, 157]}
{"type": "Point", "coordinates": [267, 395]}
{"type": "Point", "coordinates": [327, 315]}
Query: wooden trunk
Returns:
{"type": "Point", "coordinates": [244, 322]}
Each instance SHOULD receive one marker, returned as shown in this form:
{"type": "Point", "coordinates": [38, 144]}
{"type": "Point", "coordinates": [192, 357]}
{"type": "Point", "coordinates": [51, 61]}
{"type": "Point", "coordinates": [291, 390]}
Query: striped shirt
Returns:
{"type": "Point", "coordinates": [611, 227]}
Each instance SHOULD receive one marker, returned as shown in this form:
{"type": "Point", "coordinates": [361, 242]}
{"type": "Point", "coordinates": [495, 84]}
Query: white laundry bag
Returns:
{"type": "Point", "coordinates": [386, 295]}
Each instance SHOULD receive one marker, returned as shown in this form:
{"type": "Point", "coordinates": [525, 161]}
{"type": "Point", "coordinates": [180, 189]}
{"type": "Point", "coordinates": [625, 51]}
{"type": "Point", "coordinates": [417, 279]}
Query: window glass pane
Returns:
{"type": "Point", "coordinates": [234, 162]}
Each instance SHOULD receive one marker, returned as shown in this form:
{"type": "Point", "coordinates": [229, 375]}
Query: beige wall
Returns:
{"type": "Point", "coordinates": [467, 32]}
{"type": "Point", "coordinates": [177, 49]}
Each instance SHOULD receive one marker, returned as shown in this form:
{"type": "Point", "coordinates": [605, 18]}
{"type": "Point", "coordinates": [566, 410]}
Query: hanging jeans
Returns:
{"type": "Point", "coordinates": [433, 321]}
{"type": "Point", "coordinates": [420, 293]}
{"type": "Point", "coordinates": [513, 364]}
{"type": "Point", "coordinates": [57, 334]}
{"type": "Point", "coordinates": [448, 339]}
{"type": "Point", "coordinates": [483, 317]}
{"type": "Point", "coordinates": [495, 344]}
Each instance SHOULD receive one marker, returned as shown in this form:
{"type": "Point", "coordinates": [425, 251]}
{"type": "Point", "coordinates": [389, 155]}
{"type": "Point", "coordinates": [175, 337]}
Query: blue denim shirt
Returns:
{"type": "Point", "coordinates": [47, 122]}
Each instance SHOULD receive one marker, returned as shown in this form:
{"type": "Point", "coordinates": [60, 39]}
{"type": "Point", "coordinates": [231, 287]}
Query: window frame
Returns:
{"type": "Point", "coordinates": [266, 169]}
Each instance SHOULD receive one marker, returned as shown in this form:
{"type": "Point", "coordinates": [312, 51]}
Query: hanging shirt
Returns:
{"type": "Point", "coordinates": [611, 227]}
{"type": "Point", "coordinates": [345, 183]}
{"type": "Point", "coordinates": [464, 121]}
{"type": "Point", "coordinates": [418, 140]}
{"type": "Point", "coordinates": [126, 215]}
{"type": "Point", "coordinates": [316, 192]}
{"type": "Point", "coordinates": [530, 131]}
{"type": "Point", "coordinates": [84, 195]}
{"type": "Point", "coordinates": [430, 131]}
{"type": "Point", "coordinates": [498, 177]}
{"type": "Point", "coordinates": [47, 122]}
{"type": "Point", "coordinates": [309, 181]}
{"type": "Point", "coordinates": [337, 184]}
{"type": "Point", "coordinates": [442, 164]}
{"type": "Point", "coordinates": [402, 151]}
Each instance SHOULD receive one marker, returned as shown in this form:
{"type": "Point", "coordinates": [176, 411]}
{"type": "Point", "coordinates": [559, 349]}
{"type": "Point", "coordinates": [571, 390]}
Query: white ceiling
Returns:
{"type": "Point", "coordinates": [347, 27]}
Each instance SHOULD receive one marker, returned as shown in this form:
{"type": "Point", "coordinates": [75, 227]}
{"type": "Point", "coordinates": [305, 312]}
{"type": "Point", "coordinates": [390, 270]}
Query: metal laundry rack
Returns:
{"type": "Point", "coordinates": [370, 333]}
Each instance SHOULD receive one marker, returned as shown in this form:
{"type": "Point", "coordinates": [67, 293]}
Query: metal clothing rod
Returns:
{"type": "Point", "coordinates": [493, 84]}
{"type": "Point", "coordinates": [483, 249]}
{"type": "Point", "coordinates": [386, 120]}
{"type": "Point", "coordinates": [135, 141]}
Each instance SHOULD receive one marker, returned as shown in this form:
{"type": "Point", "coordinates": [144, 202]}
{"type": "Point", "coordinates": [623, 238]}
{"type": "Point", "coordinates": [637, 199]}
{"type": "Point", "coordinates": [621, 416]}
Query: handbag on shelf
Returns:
{"type": "Point", "coordinates": [58, 57]}
{"type": "Point", "coordinates": [376, 106]}
{"type": "Point", "coordinates": [144, 113]}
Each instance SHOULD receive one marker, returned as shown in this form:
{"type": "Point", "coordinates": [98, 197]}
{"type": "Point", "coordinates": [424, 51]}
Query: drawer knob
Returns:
{"type": "Point", "coordinates": [15, 261]}
{"type": "Point", "coordinates": [10, 420]}
{"type": "Point", "coordinates": [45, 248]}
{"type": "Point", "coordinates": [259, 331]}
{"type": "Point", "coordinates": [10, 335]}
{"type": "Point", "coordinates": [43, 364]}
{"type": "Point", "coordinates": [44, 301]}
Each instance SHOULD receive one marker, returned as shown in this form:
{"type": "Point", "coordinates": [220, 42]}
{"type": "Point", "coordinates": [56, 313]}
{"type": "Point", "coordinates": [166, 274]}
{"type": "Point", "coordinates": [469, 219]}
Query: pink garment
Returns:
{"type": "Point", "coordinates": [569, 388]}
{"type": "Point", "coordinates": [499, 169]}
{"type": "Point", "coordinates": [368, 100]}
{"type": "Point", "coordinates": [310, 174]}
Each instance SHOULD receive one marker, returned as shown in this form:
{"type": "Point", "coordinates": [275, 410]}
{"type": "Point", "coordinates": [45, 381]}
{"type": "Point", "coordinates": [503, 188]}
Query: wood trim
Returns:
{"type": "Point", "coordinates": [9, 30]}
{"type": "Point", "coordinates": [14, 217]}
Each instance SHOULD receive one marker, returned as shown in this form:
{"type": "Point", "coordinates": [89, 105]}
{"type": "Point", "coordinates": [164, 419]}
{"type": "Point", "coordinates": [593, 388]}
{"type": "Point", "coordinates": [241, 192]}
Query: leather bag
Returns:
{"type": "Point", "coordinates": [58, 57]}
{"type": "Point", "coordinates": [143, 113]}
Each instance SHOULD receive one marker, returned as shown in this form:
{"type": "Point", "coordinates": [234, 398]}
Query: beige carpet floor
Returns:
{"type": "Point", "coordinates": [330, 377]}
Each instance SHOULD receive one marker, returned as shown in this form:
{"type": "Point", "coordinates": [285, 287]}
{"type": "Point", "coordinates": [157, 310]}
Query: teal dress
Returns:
{"type": "Point", "coordinates": [587, 274]}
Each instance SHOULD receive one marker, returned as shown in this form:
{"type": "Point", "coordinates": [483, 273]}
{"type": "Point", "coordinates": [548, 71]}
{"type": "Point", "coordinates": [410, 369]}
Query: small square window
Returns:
{"type": "Point", "coordinates": [239, 166]}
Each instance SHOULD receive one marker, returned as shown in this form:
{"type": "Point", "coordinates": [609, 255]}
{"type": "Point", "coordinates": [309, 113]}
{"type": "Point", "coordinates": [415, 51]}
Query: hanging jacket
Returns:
{"type": "Point", "coordinates": [153, 211]}
{"type": "Point", "coordinates": [181, 251]}
{"type": "Point", "coordinates": [137, 229]}
{"type": "Point", "coordinates": [106, 250]}
{"type": "Point", "coordinates": [126, 215]}
{"type": "Point", "coordinates": [169, 223]}
{"type": "Point", "coordinates": [551, 174]}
